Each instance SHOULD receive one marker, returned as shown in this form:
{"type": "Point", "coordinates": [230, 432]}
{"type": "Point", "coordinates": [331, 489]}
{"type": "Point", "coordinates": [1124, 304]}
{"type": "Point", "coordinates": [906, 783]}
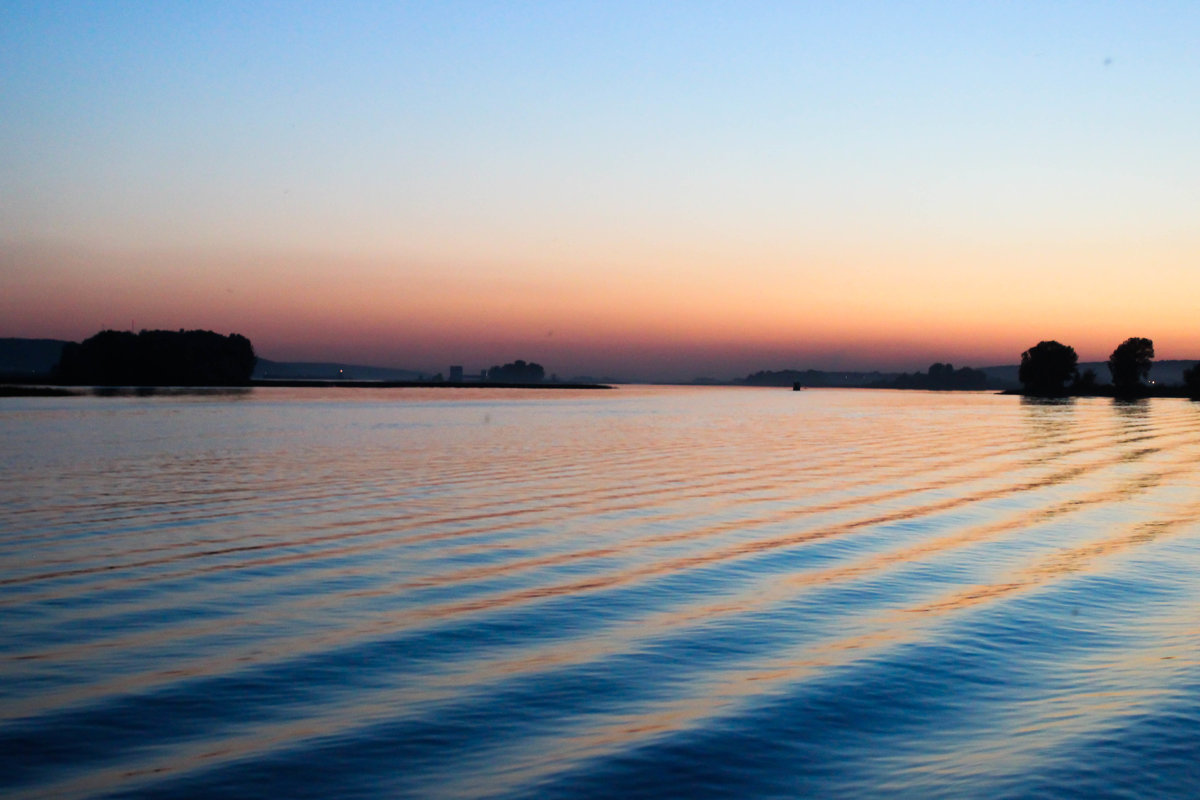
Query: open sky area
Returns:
{"type": "Point", "coordinates": [640, 189]}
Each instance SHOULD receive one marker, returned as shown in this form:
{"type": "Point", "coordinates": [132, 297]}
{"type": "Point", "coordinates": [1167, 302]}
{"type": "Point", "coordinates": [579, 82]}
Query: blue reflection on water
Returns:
{"type": "Point", "coordinates": [675, 592]}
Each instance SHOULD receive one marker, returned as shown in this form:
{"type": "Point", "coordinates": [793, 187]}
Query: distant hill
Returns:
{"type": "Point", "coordinates": [1005, 377]}
{"type": "Point", "coordinates": [320, 370]}
{"type": "Point", "coordinates": [29, 357]}
{"type": "Point", "coordinates": [1165, 372]}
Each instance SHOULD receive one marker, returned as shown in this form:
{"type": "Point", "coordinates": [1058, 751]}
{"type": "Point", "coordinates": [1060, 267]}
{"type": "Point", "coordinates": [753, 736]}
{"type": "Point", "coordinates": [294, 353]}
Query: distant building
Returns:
{"type": "Point", "coordinates": [456, 374]}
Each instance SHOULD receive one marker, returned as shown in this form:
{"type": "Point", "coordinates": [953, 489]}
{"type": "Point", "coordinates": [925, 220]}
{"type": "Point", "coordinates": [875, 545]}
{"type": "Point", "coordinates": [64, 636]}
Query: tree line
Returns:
{"type": "Point", "coordinates": [1051, 369]}
{"type": "Point", "coordinates": [194, 358]}
{"type": "Point", "coordinates": [518, 371]}
{"type": "Point", "coordinates": [158, 358]}
{"type": "Point", "coordinates": [940, 377]}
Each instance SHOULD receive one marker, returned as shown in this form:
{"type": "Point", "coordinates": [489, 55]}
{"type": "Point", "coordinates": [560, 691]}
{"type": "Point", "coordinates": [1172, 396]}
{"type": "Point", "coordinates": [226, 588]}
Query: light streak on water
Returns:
{"type": "Point", "coordinates": [643, 592]}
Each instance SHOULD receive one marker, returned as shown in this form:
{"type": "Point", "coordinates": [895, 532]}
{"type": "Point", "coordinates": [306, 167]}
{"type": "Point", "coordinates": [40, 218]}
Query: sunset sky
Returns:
{"type": "Point", "coordinates": [647, 190]}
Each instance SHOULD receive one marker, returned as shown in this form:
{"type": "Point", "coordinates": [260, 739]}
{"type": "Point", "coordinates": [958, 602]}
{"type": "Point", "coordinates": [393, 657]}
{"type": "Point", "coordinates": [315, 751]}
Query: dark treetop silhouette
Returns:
{"type": "Point", "coordinates": [1047, 367]}
{"type": "Point", "coordinates": [517, 372]}
{"type": "Point", "coordinates": [158, 358]}
{"type": "Point", "coordinates": [941, 377]}
{"type": "Point", "coordinates": [1130, 364]}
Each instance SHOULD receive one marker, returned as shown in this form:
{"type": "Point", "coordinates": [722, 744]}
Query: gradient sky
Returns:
{"type": "Point", "coordinates": [640, 189]}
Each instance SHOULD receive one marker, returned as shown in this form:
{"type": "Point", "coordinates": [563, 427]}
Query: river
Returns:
{"type": "Point", "coordinates": [644, 592]}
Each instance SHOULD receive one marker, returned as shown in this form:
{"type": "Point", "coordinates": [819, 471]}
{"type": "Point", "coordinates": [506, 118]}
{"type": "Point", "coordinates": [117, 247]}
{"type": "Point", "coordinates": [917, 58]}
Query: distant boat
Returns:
{"type": "Point", "coordinates": [797, 386]}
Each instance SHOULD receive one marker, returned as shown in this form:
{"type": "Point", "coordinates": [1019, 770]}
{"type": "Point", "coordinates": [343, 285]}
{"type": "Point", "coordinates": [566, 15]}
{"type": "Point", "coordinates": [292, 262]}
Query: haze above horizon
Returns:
{"type": "Point", "coordinates": [651, 190]}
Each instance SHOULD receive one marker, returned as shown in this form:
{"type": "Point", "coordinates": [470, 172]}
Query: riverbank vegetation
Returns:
{"type": "Point", "coordinates": [1050, 369]}
{"type": "Point", "coordinates": [940, 378]}
{"type": "Point", "coordinates": [157, 358]}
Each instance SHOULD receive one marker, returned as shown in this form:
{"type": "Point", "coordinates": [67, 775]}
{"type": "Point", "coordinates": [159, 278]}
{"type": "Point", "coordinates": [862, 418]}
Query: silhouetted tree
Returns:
{"type": "Point", "coordinates": [1130, 364]}
{"type": "Point", "coordinates": [158, 358]}
{"type": "Point", "coordinates": [1047, 367]}
{"type": "Point", "coordinates": [1191, 381]}
{"type": "Point", "coordinates": [517, 372]}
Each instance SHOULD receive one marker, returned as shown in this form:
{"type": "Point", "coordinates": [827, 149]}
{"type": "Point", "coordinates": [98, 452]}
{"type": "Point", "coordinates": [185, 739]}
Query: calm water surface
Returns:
{"type": "Point", "coordinates": [638, 593]}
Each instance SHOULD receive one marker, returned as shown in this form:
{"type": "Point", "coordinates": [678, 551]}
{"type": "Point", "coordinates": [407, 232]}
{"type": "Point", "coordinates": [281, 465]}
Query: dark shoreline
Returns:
{"type": "Point", "coordinates": [36, 390]}
{"type": "Point", "coordinates": [344, 384]}
{"type": "Point", "coordinates": [49, 389]}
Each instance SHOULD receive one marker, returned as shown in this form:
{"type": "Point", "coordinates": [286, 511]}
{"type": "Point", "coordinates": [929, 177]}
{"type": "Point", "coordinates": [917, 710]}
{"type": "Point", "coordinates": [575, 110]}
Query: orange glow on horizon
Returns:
{"type": "Point", "coordinates": [860, 309]}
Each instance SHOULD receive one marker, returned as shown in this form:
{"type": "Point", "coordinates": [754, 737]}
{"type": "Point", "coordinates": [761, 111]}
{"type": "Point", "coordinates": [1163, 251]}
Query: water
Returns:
{"type": "Point", "coordinates": [639, 593]}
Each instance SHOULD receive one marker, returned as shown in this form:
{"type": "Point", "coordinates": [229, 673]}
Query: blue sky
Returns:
{"type": "Point", "coordinates": [714, 164]}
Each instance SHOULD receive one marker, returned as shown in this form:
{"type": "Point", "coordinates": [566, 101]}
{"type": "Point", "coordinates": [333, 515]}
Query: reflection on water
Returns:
{"type": "Point", "coordinates": [171, 391]}
{"type": "Point", "coordinates": [648, 592]}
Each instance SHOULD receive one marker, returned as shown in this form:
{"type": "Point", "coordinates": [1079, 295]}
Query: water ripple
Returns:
{"type": "Point", "coordinates": [659, 591]}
